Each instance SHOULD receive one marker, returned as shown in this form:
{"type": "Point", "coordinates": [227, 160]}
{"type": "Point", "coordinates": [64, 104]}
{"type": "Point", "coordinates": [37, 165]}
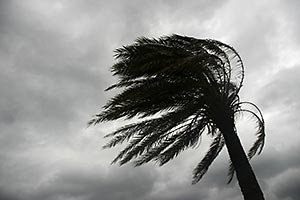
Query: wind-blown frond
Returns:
{"type": "Point", "coordinates": [230, 173]}
{"type": "Point", "coordinates": [214, 150]}
{"type": "Point", "coordinates": [185, 139]}
{"type": "Point", "coordinates": [170, 146]}
{"type": "Point", "coordinates": [145, 134]}
{"type": "Point", "coordinates": [259, 143]}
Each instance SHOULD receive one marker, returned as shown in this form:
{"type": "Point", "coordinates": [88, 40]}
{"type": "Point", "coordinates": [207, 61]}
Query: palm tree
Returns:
{"type": "Point", "coordinates": [180, 87]}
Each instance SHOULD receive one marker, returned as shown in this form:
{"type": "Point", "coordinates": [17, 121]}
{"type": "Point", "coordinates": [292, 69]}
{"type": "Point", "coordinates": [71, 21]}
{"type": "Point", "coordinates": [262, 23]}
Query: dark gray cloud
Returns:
{"type": "Point", "coordinates": [54, 65]}
{"type": "Point", "coordinates": [287, 185]}
{"type": "Point", "coordinates": [92, 184]}
{"type": "Point", "coordinates": [280, 162]}
{"type": "Point", "coordinates": [282, 90]}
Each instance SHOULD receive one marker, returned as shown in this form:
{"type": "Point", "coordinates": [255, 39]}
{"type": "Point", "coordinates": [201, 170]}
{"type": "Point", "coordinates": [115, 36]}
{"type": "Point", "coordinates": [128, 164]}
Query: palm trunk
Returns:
{"type": "Point", "coordinates": [245, 175]}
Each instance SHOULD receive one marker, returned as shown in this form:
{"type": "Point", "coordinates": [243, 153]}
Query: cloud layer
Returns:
{"type": "Point", "coordinates": [54, 65]}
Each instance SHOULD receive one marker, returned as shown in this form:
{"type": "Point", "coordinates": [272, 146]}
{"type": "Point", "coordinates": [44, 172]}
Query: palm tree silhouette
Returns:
{"type": "Point", "coordinates": [181, 87]}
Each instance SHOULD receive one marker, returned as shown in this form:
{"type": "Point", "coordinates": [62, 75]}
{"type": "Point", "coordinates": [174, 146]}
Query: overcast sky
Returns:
{"type": "Point", "coordinates": [54, 65]}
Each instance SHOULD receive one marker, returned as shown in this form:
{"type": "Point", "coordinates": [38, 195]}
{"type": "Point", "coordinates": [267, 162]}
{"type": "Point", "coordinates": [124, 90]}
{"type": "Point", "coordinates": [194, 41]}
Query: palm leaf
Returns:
{"type": "Point", "coordinates": [214, 150]}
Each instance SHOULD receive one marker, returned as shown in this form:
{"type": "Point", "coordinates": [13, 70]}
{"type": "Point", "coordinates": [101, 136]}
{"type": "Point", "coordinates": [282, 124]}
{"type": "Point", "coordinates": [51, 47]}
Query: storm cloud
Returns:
{"type": "Point", "coordinates": [54, 66]}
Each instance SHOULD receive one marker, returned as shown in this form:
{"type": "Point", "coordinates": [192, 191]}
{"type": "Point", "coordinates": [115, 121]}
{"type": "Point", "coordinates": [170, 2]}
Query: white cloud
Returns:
{"type": "Point", "coordinates": [54, 65]}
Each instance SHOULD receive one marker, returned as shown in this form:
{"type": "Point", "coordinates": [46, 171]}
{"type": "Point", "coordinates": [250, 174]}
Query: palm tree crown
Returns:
{"type": "Point", "coordinates": [179, 87]}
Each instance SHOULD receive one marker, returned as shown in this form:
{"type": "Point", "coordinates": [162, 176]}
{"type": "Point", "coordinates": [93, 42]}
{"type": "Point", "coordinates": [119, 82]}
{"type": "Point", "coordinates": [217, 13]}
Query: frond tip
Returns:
{"type": "Point", "coordinates": [214, 150]}
{"type": "Point", "coordinates": [230, 173]}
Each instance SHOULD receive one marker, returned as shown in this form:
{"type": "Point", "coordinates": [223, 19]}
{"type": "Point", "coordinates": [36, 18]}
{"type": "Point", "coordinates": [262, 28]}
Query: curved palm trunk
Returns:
{"type": "Point", "coordinates": [245, 175]}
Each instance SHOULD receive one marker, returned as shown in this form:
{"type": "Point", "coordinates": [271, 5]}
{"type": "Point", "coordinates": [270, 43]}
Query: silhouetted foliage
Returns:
{"type": "Point", "coordinates": [179, 87]}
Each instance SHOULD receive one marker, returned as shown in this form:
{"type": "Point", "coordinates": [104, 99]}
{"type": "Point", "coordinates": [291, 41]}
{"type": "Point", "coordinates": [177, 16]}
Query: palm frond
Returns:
{"type": "Point", "coordinates": [153, 130]}
{"type": "Point", "coordinates": [215, 148]}
{"type": "Point", "coordinates": [157, 151]}
{"type": "Point", "coordinates": [230, 172]}
{"type": "Point", "coordinates": [258, 145]}
{"type": "Point", "coordinates": [126, 132]}
{"type": "Point", "coordinates": [182, 140]}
